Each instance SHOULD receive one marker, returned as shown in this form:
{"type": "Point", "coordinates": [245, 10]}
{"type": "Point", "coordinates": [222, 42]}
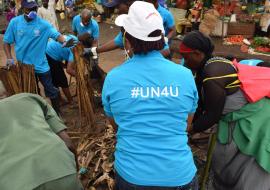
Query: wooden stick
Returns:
{"type": "Point", "coordinates": [210, 151]}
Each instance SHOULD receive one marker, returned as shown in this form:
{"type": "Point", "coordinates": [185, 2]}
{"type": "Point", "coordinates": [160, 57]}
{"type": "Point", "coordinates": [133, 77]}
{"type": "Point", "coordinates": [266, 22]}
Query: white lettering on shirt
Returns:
{"type": "Point", "coordinates": [154, 92]}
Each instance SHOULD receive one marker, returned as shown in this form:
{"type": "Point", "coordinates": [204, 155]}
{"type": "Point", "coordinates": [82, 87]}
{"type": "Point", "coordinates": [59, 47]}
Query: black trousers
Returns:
{"type": "Point", "coordinates": [121, 184]}
{"type": "Point", "coordinates": [59, 77]}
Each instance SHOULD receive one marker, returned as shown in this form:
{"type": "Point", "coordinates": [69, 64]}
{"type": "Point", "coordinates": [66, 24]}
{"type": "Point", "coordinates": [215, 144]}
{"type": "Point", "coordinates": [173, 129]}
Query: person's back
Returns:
{"type": "Point", "coordinates": [56, 51]}
{"type": "Point", "coordinates": [151, 106]}
{"type": "Point", "coordinates": [31, 150]}
{"type": "Point", "coordinates": [150, 100]}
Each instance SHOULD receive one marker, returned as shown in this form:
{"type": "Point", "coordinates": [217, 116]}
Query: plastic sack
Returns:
{"type": "Point", "coordinates": [255, 81]}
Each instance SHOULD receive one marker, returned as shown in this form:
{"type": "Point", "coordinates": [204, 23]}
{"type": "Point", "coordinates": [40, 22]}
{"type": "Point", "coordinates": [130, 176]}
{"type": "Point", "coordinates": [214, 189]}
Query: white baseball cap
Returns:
{"type": "Point", "coordinates": [142, 19]}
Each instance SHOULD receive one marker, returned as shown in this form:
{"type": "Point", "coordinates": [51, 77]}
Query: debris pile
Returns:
{"type": "Point", "coordinates": [95, 157]}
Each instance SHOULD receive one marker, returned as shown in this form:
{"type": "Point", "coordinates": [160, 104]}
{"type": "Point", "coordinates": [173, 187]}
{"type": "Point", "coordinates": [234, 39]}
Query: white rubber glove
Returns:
{"type": "Point", "coordinates": [94, 52]}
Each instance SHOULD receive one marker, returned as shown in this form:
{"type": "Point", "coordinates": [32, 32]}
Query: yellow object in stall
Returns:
{"type": "Point", "coordinates": [62, 16]}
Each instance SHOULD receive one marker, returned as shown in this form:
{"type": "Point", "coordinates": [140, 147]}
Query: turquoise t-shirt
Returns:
{"type": "Point", "coordinates": [92, 28]}
{"type": "Point", "coordinates": [30, 39]}
{"type": "Point", "coordinates": [168, 20]}
{"type": "Point", "coordinates": [252, 62]}
{"type": "Point", "coordinates": [118, 40]}
{"type": "Point", "coordinates": [150, 98]}
{"type": "Point", "coordinates": [58, 53]}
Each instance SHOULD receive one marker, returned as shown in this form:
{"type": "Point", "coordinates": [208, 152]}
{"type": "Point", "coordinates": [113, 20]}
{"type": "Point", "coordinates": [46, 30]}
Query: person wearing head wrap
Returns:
{"type": "Point", "coordinates": [243, 137]}
{"type": "Point", "coordinates": [196, 49]}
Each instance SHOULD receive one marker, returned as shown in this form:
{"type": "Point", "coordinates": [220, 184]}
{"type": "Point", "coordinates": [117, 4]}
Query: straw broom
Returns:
{"type": "Point", "coordinates": [19, 78]}
{"type": "Point", "coordinates": [84, 88]}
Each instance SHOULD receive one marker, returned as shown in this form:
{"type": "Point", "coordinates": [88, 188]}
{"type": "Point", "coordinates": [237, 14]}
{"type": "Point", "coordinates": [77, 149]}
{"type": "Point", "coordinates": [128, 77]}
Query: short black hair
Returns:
{"type": "Point", "coordinates": [263, 64]}
{"type": "Point", "coordinates": [143, 47]}
{"type": "Point", "coordinates": [12, 4]}
{"type": "Point", "coordinates": [86, 39]}
{"type": "Point", "coordinates": [126, 2]}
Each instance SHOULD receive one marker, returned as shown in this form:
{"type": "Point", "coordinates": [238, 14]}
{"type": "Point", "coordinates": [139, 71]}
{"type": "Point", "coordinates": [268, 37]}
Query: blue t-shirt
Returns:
{"type": "Point", "coordinates": [118, 40]}
{"type": "Point", "coordinates": [58, 53]}
{"type": "Point", "coordinates": [150, 98]}
{"type": "Point", "coordinates": [92, 28]}
{"type": "Point", "coordinates": [168, 20]}
{"type": "Point", "coordinates": [30, 40]}
{"type": "Point", "coordinates": [252, 62]}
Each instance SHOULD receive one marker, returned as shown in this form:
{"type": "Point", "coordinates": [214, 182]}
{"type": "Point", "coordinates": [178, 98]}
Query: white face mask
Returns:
{"type": "Point", "coordinates": [127, 57]}
{"type": "Point", "coordinates": [126, 51]}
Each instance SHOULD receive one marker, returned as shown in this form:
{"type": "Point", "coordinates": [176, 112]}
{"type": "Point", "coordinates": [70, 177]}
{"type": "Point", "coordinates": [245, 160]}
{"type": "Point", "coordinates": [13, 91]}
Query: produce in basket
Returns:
{"type": "Point", "coordinates": [261, 41]}
{"type": "Point", "coordinates": [262, 49]}
{"type": "Point", "coordinates": [234, 40]}
{"type": "Point", "coordinates": [261, 44]}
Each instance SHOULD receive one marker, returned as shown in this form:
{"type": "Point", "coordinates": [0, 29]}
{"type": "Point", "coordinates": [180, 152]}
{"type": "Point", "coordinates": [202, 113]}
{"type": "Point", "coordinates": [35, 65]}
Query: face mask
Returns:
{"type": "Point", "coordinates": [127, 57]}
{"type": "Point", "coordinates": [32, 15]}
{"type": "Point", "coordinates": [83, 24]}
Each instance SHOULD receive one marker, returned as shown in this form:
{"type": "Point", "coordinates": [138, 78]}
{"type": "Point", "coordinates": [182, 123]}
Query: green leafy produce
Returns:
{"type": "Point", "coordinates": [261, 41]}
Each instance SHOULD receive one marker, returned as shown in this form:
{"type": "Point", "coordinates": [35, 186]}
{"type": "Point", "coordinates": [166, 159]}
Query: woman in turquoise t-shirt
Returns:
{"type": "Point", "coordinates": [150, 99]}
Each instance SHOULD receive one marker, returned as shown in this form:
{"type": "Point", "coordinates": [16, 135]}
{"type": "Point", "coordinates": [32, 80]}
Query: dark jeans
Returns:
{"type": "Point", "coordinates": [59, 78]}
{"type": "Point", "coordinates": [121, 184]}
{"type": "Point", "coordinates": [46, 80]}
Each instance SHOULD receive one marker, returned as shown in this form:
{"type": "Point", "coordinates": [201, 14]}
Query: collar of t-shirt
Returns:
{"type": "Point", "coordinates": [153, 53]}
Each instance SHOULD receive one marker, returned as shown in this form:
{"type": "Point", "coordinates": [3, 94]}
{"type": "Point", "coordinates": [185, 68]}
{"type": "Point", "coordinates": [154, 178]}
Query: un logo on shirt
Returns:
{"type": "Point", "coordinates": [20, 32]}
{"type": "Point", "coordinates": [37, 32]}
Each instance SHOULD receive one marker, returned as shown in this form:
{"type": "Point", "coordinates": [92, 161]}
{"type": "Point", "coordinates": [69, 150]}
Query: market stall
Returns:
{"type": "Point", "coordinates": [241, 27]}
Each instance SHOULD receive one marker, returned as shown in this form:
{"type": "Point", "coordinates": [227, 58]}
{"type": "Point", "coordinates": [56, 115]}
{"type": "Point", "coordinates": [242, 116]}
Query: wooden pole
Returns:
{"type": "Point", "coordinates": [210, 152]}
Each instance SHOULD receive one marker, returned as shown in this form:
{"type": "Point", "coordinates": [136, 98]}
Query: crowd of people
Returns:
{"type": "Point", "coordinates": [153, 104]}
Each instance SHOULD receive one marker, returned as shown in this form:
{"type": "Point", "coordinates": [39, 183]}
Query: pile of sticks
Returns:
{"type": "Point", "coordinates": [85, 90]}
{"type": "Point", "coordinates": [19, 78]}
{"type": "Point", "coordinates": [95, 154]}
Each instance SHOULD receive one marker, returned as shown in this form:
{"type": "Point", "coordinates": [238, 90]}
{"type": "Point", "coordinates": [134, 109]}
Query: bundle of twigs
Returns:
{"type": "Point", "coordinates": [84, 88]}
{"type": "Point", "coordinates": [18, 78]}
{"type": "Point", "coordinates": [95, 154]}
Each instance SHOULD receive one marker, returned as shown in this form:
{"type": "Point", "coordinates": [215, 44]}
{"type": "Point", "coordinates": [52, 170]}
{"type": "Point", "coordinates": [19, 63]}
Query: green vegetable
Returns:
{"type": "Point", "coordinates": [261, 41]}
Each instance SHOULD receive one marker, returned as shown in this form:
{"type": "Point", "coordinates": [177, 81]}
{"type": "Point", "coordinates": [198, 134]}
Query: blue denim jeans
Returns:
{"type": "Point", "coordinates": [121, 184]}
{"type": "Point", "coordinates": [46, 80]}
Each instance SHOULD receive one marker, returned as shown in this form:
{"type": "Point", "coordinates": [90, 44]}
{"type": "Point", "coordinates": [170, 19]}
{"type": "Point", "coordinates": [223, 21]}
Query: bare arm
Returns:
{"type": "Point", "coordinates": [109, 46]}
{"type": "Point", "coordinates": [7, 48]}
{"type": "Point", "coordinates": [71, 68]}
{"type": "Point", "coordinates": [165, 52]}
{"type": "Point", "coordinates": [189, 122]}
{"type": "Point", "coordinates": [171, 33]}
{"type": "Point", "coordinates": [64, 136]}
{"type": "Point", "coordinates": [95, 43]}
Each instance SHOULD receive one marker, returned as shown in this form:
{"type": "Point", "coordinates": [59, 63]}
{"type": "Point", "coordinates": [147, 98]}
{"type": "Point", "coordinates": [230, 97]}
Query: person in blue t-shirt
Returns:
{"type": "Point", "coordinates": [56, 54]}
{"type": "Point", "coordinates": [30, 35]}
{"type": "Point", "coordinates": [117, 42]}
{"type": "Point", "coordinates": [84, 23]}
{"type": "Point", "coordinates": [168, 20]}
{"type": "Point", "coordinates": [151, 101]}
{"type": "Point", "coordinates": [251, 62]}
